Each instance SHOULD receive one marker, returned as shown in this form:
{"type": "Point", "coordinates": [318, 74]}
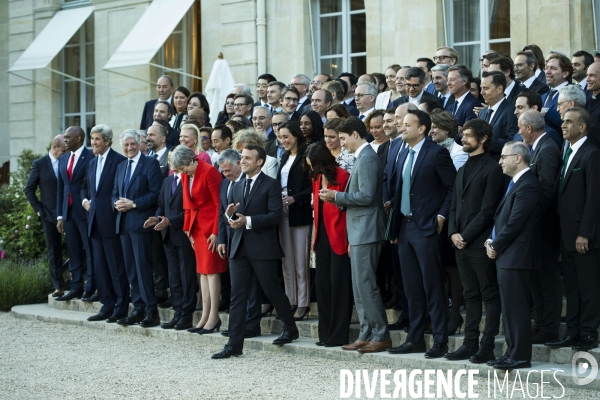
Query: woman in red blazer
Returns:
{"type": "Point", "coordinates": [201, 185]}
{"type": "Point", "coordinates": [333, 281]}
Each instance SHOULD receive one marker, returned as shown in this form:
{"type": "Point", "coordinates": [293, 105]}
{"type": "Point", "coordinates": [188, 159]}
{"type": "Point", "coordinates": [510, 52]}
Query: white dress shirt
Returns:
{"type": "Point", "coordinates": [575, 147]}
{"type": "Point", "coordinates": [54, 162]}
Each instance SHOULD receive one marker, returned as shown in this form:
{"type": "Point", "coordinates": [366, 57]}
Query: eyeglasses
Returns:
{"type": "Point", "coordinates": [290, 99]}
{"type": "Point", "coordinates": [519, 65]}
{"type": "Point", "coordinates": [316, 83]}
{"type": "Point", "coordinates": [276, 124]}
{"type": "Point", "coordinates": [503, 156]}
{"type": "Point", "coordinates": [230, 104]}
{"type": "Point", "coordinates": [298, 84]}
{"type": "Point", "coordinates": [415, 86]}
{"type": "Point", "coordinates": [239, 104]}
{"type": "Point", "coordinates": [361, 95]}
{"type": "Point", "coordinates": [441, 58]}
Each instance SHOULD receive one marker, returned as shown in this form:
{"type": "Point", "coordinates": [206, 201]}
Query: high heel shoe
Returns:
{"type": "Point", "coordinates": [300, 318]}
{"type": "Point", "coordinates": [452, 328]}
{"type": "Point", "coordinates": [195, 329]}
{"type": "Point", "coordinates": [207, 331]}
{"type": "Point", "coordinates": [269, 311]}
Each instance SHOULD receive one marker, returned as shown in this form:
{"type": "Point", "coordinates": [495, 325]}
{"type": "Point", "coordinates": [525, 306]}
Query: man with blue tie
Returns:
{"type": "Point", "coordinates": [459, 85]}
{"type": "Point", "coordinates": [135, 197]}
{"type": "Point", "coordinates": [70, 215]}
{"type": "Point", "coordinates": [425, 180]}
{"type": "Point", "coordinates": [439, 76]}
{"type": "Point", "coordinates": [515, 244]}
{"type": "Point", "coordinates": [559, 73]}
{"type": "Point", "coordinates": [109, 269]}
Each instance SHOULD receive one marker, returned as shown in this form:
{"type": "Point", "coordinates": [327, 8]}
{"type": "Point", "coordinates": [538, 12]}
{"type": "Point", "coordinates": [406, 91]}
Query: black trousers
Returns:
{"type": "Point", "coordinates": [242, 270]}
{"type": "Point", "coordinates": [546, 288]}
{"type": "Point", "coordinates": [581, 276]}
{"type": "Point", "coordinates": [80, 253]}
{"type": "Point", "coordinates": [54, 252]}
{"type": "Point", "coordinates": [515, 295]}
{"type": "Point", "coordinates": [395, 261]}
{"type": "Point", "coordinates": [110, 275]}
{"type": "Point", "coordinates": [160, 267]}
{"type": "Point", "coordinates": [181, 262]}
{"type": "Point", "coordinates": [478, 276]}
{"type": "Point", "coordinates": [333, 283]}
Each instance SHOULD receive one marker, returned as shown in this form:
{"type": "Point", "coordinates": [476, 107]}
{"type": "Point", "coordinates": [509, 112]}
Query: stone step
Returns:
{"type": "Point", "coordinates": [306, 347]}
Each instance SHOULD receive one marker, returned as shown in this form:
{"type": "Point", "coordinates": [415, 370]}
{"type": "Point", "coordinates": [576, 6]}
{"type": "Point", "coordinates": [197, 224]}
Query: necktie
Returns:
{"type": "Point", "coordinates": [70, 175]}
{"type": "Point", "coordinates": [564, 168]}
{"type": "Point", "coordinates": [174, 184]}
{"type": "Point", "coordinates": [454, 108]}
{"type": "Point", "coordinates": [362, 117]}
{"type": "Point", "coordinates": [531, 153]}
{"type": "Point", "coordinates": [155, 156]}
{"type": "Point", "coordinates": [98, 170]}
{"type": "Point", "coordinates": [488, 117]}
{"type": "Point", "coordinates": [405, 204]}
{"type": "Point", "coordinates": [247, 191]}
{"type": "Point", "coordinates": [550, 97]}
{"type": "Point", "coordinates": [127, 177]}
{"type": "Point", "coordinates": [510, 185]}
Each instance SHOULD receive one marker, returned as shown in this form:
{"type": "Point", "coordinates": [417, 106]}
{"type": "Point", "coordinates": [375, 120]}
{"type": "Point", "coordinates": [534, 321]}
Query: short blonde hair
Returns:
{"type": "Point", "coordinates": [452, 51]}
{"type": "Point", "coordinates": [198, 148]}
{"type": "Point", "coordinates": [248, 136]}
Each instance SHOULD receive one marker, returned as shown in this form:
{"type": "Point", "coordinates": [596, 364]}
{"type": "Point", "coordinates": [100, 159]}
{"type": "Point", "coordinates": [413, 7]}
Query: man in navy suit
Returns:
{"type": "Point", "coordinates": [44, 173]}
{"type": "Point", "coordinates": [415, 93]}
{"type": "Point", "coordinates": [351, 80]}
{"type": "Point", "coordinates": [70, 214]}
{"type": "Point", "coordinates": [164, 89]}
{"type": "Point", "coordinates": [135, 196]}
{"type": "Point", "coordinates": [525, 67]}
{"type": "Point", "coordinates": [425, 180]}
{"type": "Point", "coordinates": [109, 269]}
{"type": "Point", "coordinates": [559, 73]}
{"type": "Point", "coordinates": [530, 100]}
{"type": "Point", "coordinates": [499, 112]}
{"type": "Point", "coordinates": [459, 84]}
{"type": "Point", "coordinates": [505, 65]}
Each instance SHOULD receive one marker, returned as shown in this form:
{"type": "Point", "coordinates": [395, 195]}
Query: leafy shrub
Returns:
{"type": "Point", "coordinates": [23, 283]}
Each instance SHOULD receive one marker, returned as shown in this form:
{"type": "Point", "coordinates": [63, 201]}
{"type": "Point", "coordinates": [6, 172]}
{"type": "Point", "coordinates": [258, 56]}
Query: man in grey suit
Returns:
{"type": "Point", "coordinates": [363, 201]}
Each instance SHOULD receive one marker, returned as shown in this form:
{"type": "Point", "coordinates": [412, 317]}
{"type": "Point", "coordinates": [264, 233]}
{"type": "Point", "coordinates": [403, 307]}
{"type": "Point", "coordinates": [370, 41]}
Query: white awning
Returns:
{"type": "Point", "coordinates": [149, 33]}
{"type": "Point", "coordinates": [52, 39]}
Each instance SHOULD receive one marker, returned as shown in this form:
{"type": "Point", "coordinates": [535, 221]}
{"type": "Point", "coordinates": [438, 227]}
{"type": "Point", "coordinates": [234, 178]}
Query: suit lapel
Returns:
{"type": "Point", "coordinates": [255, 186]}
{"type": "Point", "coordinates": [573, 163]}
{"type": "Point", "coordinates": [422, 155]}
{"type": "Point", "coordinates": [177, 189]}
{"type": "Point", "coordinates": [512, 190]}
{"type": "Point", "coordinates": [476, 170]}
{"type": "Point", "coordinates": [354, 169]}
{"type": "Point", "coordinates": [137, 169]}
{"type": "Point", "coordinates": [81, 162]}
{"type": "Point", "coordinates": [51, 168]}
{"type": "Point", "coordinates": [538, 148]}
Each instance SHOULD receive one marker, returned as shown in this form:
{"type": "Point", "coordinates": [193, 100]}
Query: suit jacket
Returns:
{"type": "Point", "coordinates": [430, 88]}
{"type": "Point", "coordinates": [73, 186]}
{"type": "Point", "coordinates": [512, 96]}
{"type": "Point", "coordinates": [144, 188]}
{"type": "Point", "coordinates": [352, 103]}
{"type": "Point", "coordinates": [148, 114]}
{"type": "Point", "coordinates": [504, 125]}
{"type": "Point", "coordinates": [465, 111]}
{"type": "Point", "coordinates": [382, 151]}
{"type": "Point", "coordinates": [539, 87]}
{"type": "Point", "coordinates": [170, 205]}
{"type": "Point", "coordinates": [271, 148]}
{"type": "Point", "coordinates": [298, 187]}
{"type": "Point", "coordinates": [451, 100]}
{"type": "Point", "coordinates": [389, 171]}
{"type": "Point", "coordinates": [102, 215]}
{"type": "Point", "coordinates": [42, 175]}
{"type": "Point", "coordinates": [426, 96]}
{"type": "Point", "coordinates": [363, 200]}
{"type": "Point", "coordinates": [265, 207]}
{"type": "Point", "coordinates": [270, 135]}
{"type": "Point", "coordinates": [225, 231]}
{"type": "Point", "coordinates": [163, 161]}
{"type": "Point", "coordinates": [475, 201]}
{"type": "Point", "coordinates": [431, 185]}
{"type": "Point", "coordinates": [545, 165]}
{"type": "Point", "coordinates": [517, 223]}
{"type": "Point", "coordinates": [352, 110]}
{"type": "Point", "coordinates": [173, 137]}
{"type": "Point", "coordinates": [203, 204]}
{"type": "Point", "coordinates": [578, 205]}
{"type": "Point", "coordinates": [552, 116]}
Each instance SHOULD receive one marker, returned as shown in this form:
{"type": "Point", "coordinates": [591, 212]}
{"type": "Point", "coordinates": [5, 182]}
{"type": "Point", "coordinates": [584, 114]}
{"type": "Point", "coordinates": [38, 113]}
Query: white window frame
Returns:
{"type": "Point", "coordinates": [346, 55]}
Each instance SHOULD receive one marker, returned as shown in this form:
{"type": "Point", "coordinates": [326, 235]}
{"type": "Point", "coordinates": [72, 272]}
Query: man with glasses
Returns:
{"type": "Point", "coordinates": [525, 67]}
{"type": "Point", "coordinates": [365, 95]}
{"type": "Point", "coordinates": [242, 105]}
{"type": "Point", "coordinates": [274, 148]}
{"type": "Point", "coordinates": [414, 82]}
{"type": "Point", "coordinates": [446, 55]}
{"type": "Point", "coordinates": [261, 120]}
{"type": "Point", "coordinates": [301, 83]}
{"type": "Point", "coordinates": [290, 97]}
{"type": "Point", "coordinates": [262, 85]}
{"type": "Point", "coordinates": [318, 81]}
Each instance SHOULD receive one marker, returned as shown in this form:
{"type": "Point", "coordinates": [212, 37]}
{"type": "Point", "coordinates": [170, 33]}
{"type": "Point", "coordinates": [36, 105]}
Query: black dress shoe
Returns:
{"type": "Point", "coordinates": [408, 347]}
{"type": "Point", "coordinates": [462, 353]}
{"type": "Point", "coordinates": [586, 343]}
{"type": "Point", "coordinates": [184, 323]}
{"type": "Point", "coordinates": [95, 297]}
{"type": "Point", "coordinates": [171, 324]}
{"type": "Point", "coordinates": [224, 333]}
{"type": "Point", "coordinates": [502, 359]}
{"type": "Point", "coordinates": [399, 325]}
{"type": "Point", "coordinates": [287, 336]}
{"type": "Point", "coordinates": [152, 319]}
{"type": "Point", "coordinates": [227, 352]}
{"type": "Point", "coordinates": [115, 317]}
{"type": "Point", "coordinates": [319, 343]}
{"type": "Point", "coordinates": [565, 341]}
{"type": "Point", "coordinates": [248, 334]}
{"type": "Point", "coordinates": [511, 364]}
{"type": "Point", "coordinates": [544, 337]}
{"type": "Point", "coordinates": [437, 350]}
{"type": "Point", "coordinates": [483, 356]}
{"type": "Point", "coordinates": [87, 296]}
{"type": "Point", "coordinates": [99, 317]}
{"type": "Point", "coordinates": [73, 294]}
{"type": "Point", "coordinates": [133, 318]}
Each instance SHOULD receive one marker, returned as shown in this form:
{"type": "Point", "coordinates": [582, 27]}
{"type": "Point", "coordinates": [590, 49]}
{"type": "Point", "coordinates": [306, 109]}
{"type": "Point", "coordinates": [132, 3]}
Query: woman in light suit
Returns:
{"type": "Point", "coordinates": [385, 98]}
{"type": "Point", "coordinates": [251, 136]}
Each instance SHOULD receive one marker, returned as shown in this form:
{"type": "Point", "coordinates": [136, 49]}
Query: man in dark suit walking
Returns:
{"type": "Point", "coordinates": [422, 202]}
{"type": "Point", "coordinates": [71, 216]}
{"type": "Point", "coordinates": [164, 89]}
{"type": "Point", "coordinates": [44, 173]}
{"type": "Point", "coordinates": [253, 214]}
{"type": "Point", "coordinates": [579, 212]}
{"type": "Point", "coordinates": [515, 244]}
{"type": "Point", "coordinates": [546, 282]}
{"type": "Point", "coordinates": [478, 189]}
{"type": "Point", "coordinates": [109, 269]}
{"type": "Point", "coordinates": [135, 196]}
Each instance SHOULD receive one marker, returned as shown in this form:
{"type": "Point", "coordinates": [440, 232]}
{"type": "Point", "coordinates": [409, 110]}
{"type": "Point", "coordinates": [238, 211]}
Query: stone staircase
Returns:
{"type": "Point", "coordinates": [76, 312]}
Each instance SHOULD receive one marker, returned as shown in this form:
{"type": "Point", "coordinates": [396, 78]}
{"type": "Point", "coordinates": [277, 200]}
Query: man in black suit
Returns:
{"type": "Point", "coordinates": [163, 111]}
{"type": "Point", "coordinates": [109, 268]}
{"type": "Point", "coordinates": [164, 89]}
{"type": "Point", "coordinates": [168, 222]}
{"type": "Point", "coordinates": [459, 84]}
{"type": "Point", "coordinates": [478, 189]}
{"type": "Point", "coordinates": [415, 93]}
{"type": "Point", "coordinates": [262, 85]}
{"type": "Point", "coordinates": [499, 112]}
{"type": "Point", "coordinates": [156, 137]}
{"type": "Point", "coordinates": [530, 100]}
{"type": "Point", "coordinates": [581, 60]}
{"type": "Point", "coordinates": [44, 173]}
{"type": "Point", "coordinates": [505, 65]}
{"type": "Point", "coordinates": [261, 120]}
{"type": "Point", "coordinates": [351, 80]}
{"type": "Point", "coordinates": [525, 66]}
{"type": "Point", "coordinates": [135, 197]}
{"type": "Point", "coordinates": [422, 200]}
{"type": "Point", "coordinates": [579, 211]}
{"type": "Point", "coordinates": [515, 244]}
{"type": "Point", "coordinates": [254, 213]}
{"type": "Point", "coordinates": [546, 283]}
{"type": "Point", "coordinates": [439, 76]}
{"type": "Point", "coordinates": [302, 85]}
{"type": "Point", "coordinates": [70, 215]}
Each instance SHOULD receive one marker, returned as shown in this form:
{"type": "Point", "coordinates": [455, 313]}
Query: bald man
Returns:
{"type": "Point", "coordinates": [71, 216]}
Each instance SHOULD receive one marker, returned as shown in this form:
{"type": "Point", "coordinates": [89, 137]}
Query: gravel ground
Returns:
{"type": "Point", "coordinates": [46, 360]}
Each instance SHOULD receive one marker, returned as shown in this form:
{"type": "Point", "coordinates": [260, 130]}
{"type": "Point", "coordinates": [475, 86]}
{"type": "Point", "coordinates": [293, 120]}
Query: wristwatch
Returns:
{"type": "Point", "coordinates": [134, 206]}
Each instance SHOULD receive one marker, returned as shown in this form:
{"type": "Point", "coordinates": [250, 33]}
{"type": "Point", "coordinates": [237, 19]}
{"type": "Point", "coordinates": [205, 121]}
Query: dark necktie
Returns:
{"type": "Point", "coordinates": [488, 117]}
{"type": "Point", "coordinates": [531, 153]}
{"type": "Point", "coordinates": [127, 177]}
{"type": "Point", "coordinates": [155, 156]}
{"type": "Point", "coordinates": [174, 184]}
{"type": "Point", "coordinates": [247, 191]}
{"type": "Point", "coordinates": [362, 117]}
{"type": "Point", "coordinates": [70, 175]}
{"type": "Point", "coordinates": [454, 108]}
{"type": "Point", "coordinates": [564, 168]}
{"type": "Point", "coordinates": [550, 97]}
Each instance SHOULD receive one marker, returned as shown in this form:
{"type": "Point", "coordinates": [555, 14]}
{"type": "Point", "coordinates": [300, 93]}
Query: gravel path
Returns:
{"type": "Point", "coordinates": [46, 360]}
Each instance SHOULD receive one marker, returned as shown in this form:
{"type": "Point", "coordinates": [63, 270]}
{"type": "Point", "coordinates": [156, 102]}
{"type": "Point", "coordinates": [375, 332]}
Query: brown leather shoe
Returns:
{"type": "Point", "coordinates": [376, 347]}
{"type": "Point", "coordinates": [357, 344]}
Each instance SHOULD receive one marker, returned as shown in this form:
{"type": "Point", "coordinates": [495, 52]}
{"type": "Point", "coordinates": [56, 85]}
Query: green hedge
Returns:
{"type": "Point", "coordinates": [23, 282]}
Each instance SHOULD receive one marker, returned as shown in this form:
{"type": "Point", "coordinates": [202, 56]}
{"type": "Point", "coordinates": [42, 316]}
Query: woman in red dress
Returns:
{"type": "Point", "coordinates": [201, 184]}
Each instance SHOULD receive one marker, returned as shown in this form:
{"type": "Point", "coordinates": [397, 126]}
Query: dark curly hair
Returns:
{"type": "Point", "coordinates": [322, 162]}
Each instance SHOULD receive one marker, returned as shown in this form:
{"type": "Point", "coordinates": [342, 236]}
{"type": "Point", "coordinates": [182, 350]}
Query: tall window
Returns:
{"type": "Point", "coordinates": [78, 98]}
{"type": "Point", "coordinates": [475, 26]}
{"type": "Point", "coordinates": [340, 36]}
